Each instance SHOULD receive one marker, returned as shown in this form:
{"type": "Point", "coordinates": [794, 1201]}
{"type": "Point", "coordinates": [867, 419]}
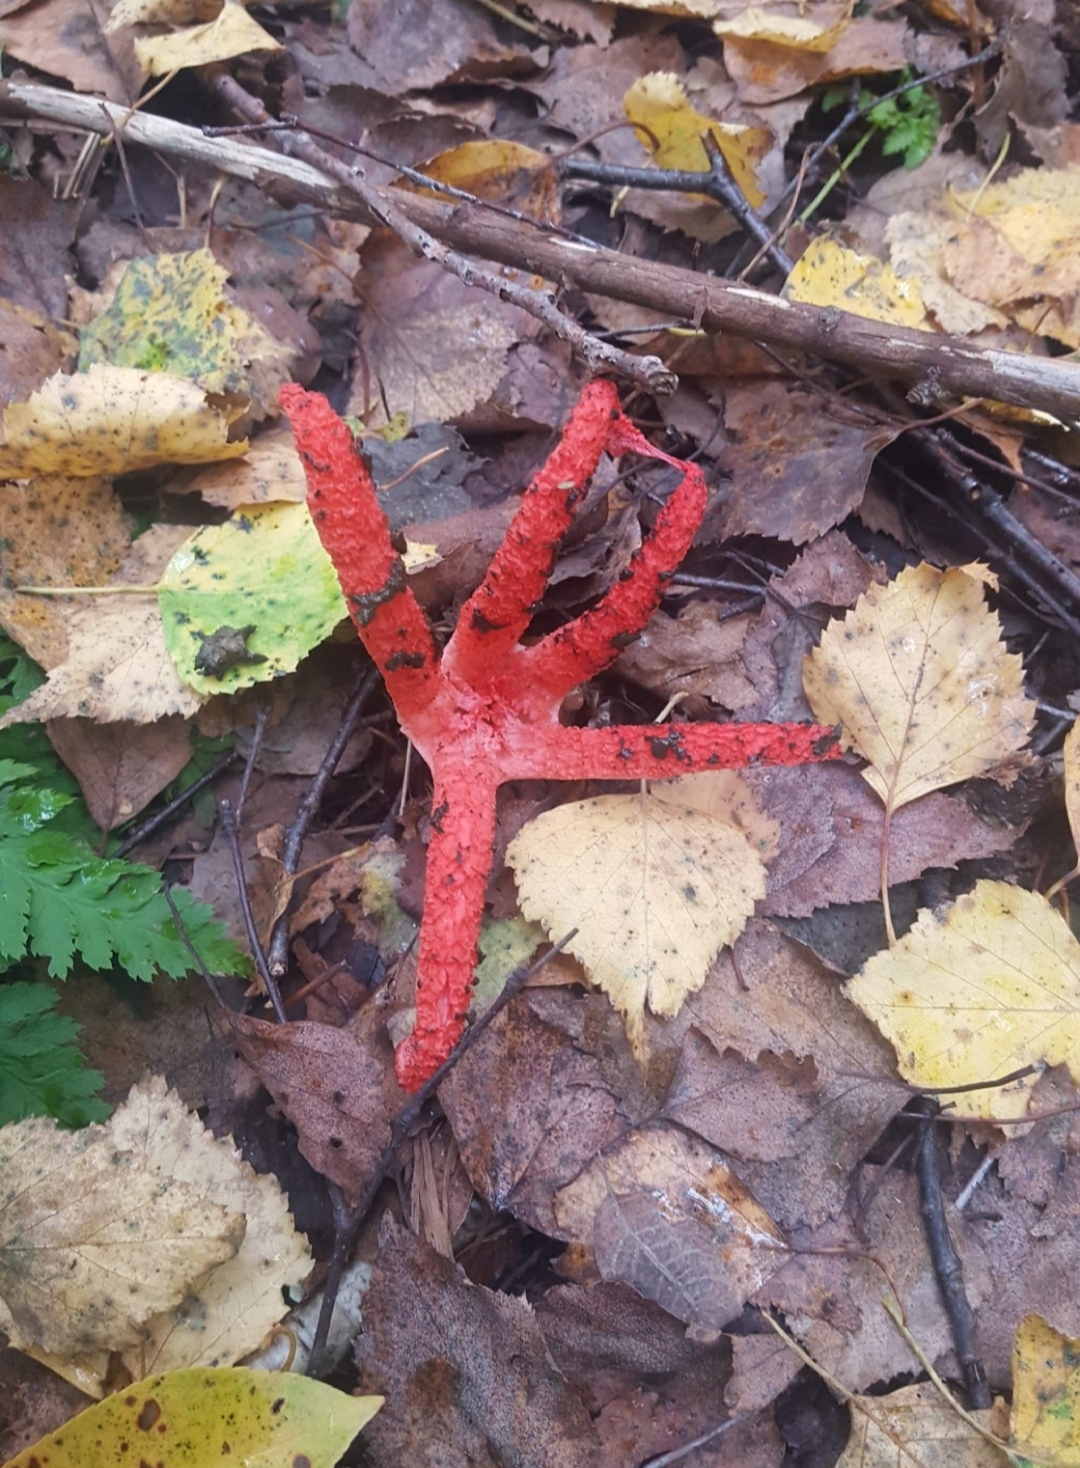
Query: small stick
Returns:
{"type": "Point", "coordinates": [185, 938]}
{"type": "Point", "coordinates": [736, 202]}
{"type": "Point", "coordinates": [946, 1261]}
{"type": "Point", "coordinates": [232, 836]}
{"type": "Point", "coordinates": [348, 1225]}
{"type": "Point", "coordinates": [676, 1455]}
{"type": "Point", "coordinates": [278, 952]}
{"type": "Point", "coordinates": [152, 823]}
{"type": "Point", "coordinates": [262, 713]}
{"type": "Point", "coordinates": [648, 372]}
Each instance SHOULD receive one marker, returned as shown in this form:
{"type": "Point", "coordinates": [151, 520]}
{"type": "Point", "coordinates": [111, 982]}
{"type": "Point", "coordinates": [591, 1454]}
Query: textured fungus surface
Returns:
{"type": "Point", "coordinates": [488, 711]}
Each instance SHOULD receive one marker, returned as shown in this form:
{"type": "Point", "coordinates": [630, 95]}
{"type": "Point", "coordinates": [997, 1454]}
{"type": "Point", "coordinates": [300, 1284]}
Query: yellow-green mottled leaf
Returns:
{"type": "Point", "coordinates": [245, 601]}
{"type": "Point", "coordinates": [1046, 1394]}
{"type": "Point", "coordinates": [171, 314]}
{"type": "Point", "coordinates": [201, 1418]}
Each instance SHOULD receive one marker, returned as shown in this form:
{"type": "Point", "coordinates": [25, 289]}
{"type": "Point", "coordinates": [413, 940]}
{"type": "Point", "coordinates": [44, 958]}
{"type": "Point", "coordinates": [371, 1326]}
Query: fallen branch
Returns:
{"type": "Point", "coordinates": [953, 364]}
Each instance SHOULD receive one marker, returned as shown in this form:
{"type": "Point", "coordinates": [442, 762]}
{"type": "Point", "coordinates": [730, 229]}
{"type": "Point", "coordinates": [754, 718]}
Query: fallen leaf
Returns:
{"type": "Point", "coordinates": [60, 38]}
{"type": "Point", "coordinates": [57, 532]}
{"type": "Point", "coordinates": [1070, 752]}
{"type": "Point", "coordinates": [112, 420]}
{"type": "Point", "coordinates": [91, 1244]}
{"type": "Point", "coordinates": [232, 33]}
{"type": "Point", "coordinates": [663, 1213]}
{"type": "Point", "coordinates": [694, 652]}
{"type": "Point", "coordinates": [413, 44]}
{"type": "Point", "coordinates": [31, 350]}
{"type": "Point", "coordinates": [798, 464]}
{"type": "Point", "coordinates": [159, 12]}
{"type": "Point", "coordinates": [974, 992]}
{"type": "Point", "coordinates": [462, 1367]}
{"type": "Point", "coordinates": [501, 171]}
{"type": "Point", "coordinates": [787, 23]}
{"type": "Point", "coordinates": [915, 1427]}
{"type": "Point", "coordinates": [655, 883]}
{"type": "Point", "coordinates": [269, 471]}
{"type": "Point", "coordinates": [173, 314]}
{"type": "Point", "coordinates": [1046, 1394]}
{"type": "Point", "coordinates": [121, 767]}
{"type": "Point", "coordinates": [336, 1086]}
{"type": "Point", "coordinates": [767, 69]}
{"type": "Point", "coordinates": [118, 667]}
{"type": "Point", "coordinates": [265, 570]}
{"type": "Point", "coordinates": [919, 678]}
{"type": "Point", "coordinates": [436, 348]}
{"type": "Point", "coordinates": [829, 274]}
{"type": "Point", "coordinates": [659, 105]}
{"type": "Point", "coordinates": [182, 1418]}
{"type": "Point", "coordinates": [227, 1315]}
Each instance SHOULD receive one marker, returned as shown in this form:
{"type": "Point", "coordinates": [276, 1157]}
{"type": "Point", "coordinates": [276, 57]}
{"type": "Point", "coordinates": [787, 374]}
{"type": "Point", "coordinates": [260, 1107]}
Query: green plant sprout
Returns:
{"type": "Point", "coordinates": [907, 124]}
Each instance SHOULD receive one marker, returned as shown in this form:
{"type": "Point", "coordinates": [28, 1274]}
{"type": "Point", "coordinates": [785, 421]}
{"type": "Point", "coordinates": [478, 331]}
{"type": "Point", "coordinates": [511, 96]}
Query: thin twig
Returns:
{"type": "Point", "coordinates": [348, 1226]}
{"type": "Point", "coordinates": [185, 938]}
{"type": "Point", "coordinates": [676, 1455]}
{"type": "Point", "coordinates": [154, 822]}
{"type": "Point", "coordinates": [947, 1266]}
{"type": "Point", "coordinates": [232, 836]}
{"type": "Point", "coordinates": [262, 713]}
{"type": "Point", "coordinates": [649, 373]}
{"type": "Point", "coordinates": [296, 834]}
{"type": "Point", "coordinates": [736, 202]}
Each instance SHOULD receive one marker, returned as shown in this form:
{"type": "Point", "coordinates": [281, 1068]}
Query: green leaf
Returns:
{"type": "Point", "coordinates": [42, 1070]}
{"type": "Point", "coordinates": [262, 573]}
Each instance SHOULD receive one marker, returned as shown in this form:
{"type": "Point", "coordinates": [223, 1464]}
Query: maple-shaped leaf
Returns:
{"type": "Point", "coordinates": [986, 987]}
{"type": "Point", "coordinates": [918, 676]}
{"type": "Point", "coordinates": [656, 883]}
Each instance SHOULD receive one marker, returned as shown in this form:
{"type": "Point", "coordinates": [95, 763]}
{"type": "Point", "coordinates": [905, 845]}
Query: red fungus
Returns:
{"type": "Point", "coordinates": [488, 711]}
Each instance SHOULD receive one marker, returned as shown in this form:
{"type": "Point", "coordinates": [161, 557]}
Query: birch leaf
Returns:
{"type": "Point", "coordinates": [655, 884]}
{"type": "Point", "coordinates": [1046, 1393]}
{"type": "Point", "coordinates": [987, 987]}
{"type": "Point", "coordinates": [919, 678]}
{"type": "Point", "coordinates": [1071, 753]}
{"type": "Point", "coordinates": [112, 420]}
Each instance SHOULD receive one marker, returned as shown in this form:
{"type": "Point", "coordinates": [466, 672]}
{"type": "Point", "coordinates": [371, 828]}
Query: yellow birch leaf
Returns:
{"type": "Point", "coordinates": [659, 102]}
{"type": "Point", "coordinates": [932, 1432]}
{"type": "Point", "coordinates": [829, 274]}
{"type": "Point", "coordinates": [228, 1315]}
{"type": "Point", "coordinates": [111, 420]}
{"type": "Point", "coordinates": [499, 170]}
{"type": "Point", "coordinates": [199, 1417]}
{"type": "Point", "coordinates": [233, 33]}
{"type": "Point", "coordinates": [1046, 1394]}
{"type": "Point", "coordinates": [790, 24]}
{"type": "Point", "coordinates": [91, 1244]}
{"type": "Point", "coordinates": [986, 987]}
{"type": "Point", "coordinates": [655, 885]}
{"type": "Point", "coordinates": [919, 678]}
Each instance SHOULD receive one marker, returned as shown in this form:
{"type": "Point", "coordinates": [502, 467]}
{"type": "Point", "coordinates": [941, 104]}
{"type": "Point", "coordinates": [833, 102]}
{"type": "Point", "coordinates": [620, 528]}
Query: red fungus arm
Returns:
{"type": "Point", "coordinates": [354, 531]}
{"type": "Point", "coordinates": [458, 864]}
{"type": "Point", "coordinates": [665, 751]}
{"type": "Point", "coordinates": [584, 647]}
{"type": "Point", "coordinates": [501, 608]}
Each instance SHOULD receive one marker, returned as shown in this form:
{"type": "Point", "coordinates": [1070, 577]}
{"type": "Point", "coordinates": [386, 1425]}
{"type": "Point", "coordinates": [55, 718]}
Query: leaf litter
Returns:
{"type": "Point", "coordinates": [745, 1148]}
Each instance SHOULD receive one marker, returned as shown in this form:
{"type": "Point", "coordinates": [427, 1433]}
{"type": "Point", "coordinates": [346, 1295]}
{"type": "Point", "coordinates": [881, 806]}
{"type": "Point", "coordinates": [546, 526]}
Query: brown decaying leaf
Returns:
{"type": "Point", "coordinates": [662, 1212]}
{"type": "Point", "coordinates": [121, 767]}
{"type": "Point", "coordinates": [766, 72]}
{"type": "Point", "coordinates": [463, 1368]}
{"type": "Point", "coordinates": [692, 653]}
{"type": "Point", "coordinates": [529, 1110]}
{"type": "Point", "coordinates": [412, 44]}
{"type": "Point", "coordinates": [336, 1086]}
{"type": "Point", "coordinates": [785, 1076]}
{"type": "Point", "coordinates": [798, 464]}
{"type": "Point", "coordinates": [37, 233]}
{"type": "Point", "coordinates": [31, 349]}
{"type": "Point", "coordinates": [916, 1425]}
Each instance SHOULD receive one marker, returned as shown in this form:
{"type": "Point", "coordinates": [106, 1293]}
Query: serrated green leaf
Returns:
{"type": "Point", "coordinates": [42, 1071]}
